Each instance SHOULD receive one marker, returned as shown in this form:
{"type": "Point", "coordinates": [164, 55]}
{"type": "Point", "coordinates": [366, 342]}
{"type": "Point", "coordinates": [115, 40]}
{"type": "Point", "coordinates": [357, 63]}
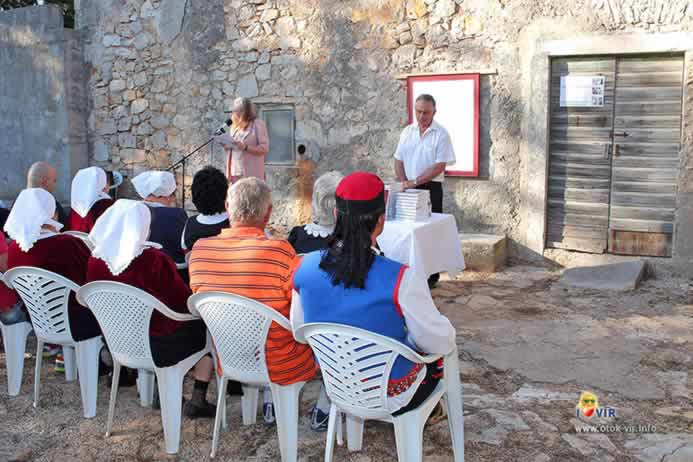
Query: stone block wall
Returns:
{"type": "Point", "coordinates": [161, 73]}
{"type": "Point", "coordinates": [43, 98]}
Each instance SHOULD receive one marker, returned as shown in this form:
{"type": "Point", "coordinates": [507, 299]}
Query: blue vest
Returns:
{"type": "Point", "coordinates": [372, 309]}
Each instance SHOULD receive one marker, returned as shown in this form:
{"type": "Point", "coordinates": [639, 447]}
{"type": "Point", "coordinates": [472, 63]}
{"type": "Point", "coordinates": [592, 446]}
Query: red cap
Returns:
{"type": "Point", "coordinates": [360, 193]}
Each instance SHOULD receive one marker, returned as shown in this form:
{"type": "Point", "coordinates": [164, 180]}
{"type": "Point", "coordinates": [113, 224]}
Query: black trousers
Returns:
{"type": "Point", "coordinates": [436, 190]}
{"type": "Point", "coordinates": [434, 372]}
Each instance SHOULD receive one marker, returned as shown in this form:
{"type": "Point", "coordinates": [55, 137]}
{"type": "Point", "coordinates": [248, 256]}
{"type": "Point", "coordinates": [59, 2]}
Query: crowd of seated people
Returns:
{"type": "Point", "coordinates": [329, 270]}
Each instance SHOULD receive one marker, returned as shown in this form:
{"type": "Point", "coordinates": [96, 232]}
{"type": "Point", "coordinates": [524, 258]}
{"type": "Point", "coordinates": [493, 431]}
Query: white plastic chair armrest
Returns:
{"type": "Point", "coordinates": [57, 277]}
{"type": "Point", "coordinates": [396, 346]}
{"type": "Point", "coordinates": [169, 313]}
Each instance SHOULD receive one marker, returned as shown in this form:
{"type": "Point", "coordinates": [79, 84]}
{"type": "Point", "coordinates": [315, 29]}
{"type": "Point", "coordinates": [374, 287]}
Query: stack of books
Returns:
{"type": "Point", "coordinates": [411, 205]}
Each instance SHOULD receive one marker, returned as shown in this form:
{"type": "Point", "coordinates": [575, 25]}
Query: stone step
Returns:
{"type": "Point", "coordinates": [484, 252]}
{"type": "Point", "coordinates": [623, 276]}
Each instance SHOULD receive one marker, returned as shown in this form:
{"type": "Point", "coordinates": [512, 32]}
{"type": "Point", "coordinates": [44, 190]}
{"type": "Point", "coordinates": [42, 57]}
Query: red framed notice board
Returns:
{"type": "Point", "coordinates": [457, 109]}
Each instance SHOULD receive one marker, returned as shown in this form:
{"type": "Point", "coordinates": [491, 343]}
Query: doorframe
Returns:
{"type": "Point", "coordinates": [536, 120]}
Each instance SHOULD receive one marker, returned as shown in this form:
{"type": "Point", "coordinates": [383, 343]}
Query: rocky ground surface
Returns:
{"type": "Point", "coordinates": [528, 348]}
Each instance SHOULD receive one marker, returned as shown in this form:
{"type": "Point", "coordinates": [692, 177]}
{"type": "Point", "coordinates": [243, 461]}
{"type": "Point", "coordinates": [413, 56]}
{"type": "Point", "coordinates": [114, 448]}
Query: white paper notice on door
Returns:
{"type": "Point", "coordinates": [582, 91]}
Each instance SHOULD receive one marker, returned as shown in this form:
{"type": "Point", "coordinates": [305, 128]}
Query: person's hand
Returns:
{"type": "Point", "coordinates": [240, 146]}
{"type": "Point", "coordinates": [408, 184]}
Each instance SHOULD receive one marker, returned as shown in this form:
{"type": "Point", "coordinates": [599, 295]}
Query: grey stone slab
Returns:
{"type": "Point", "coordinates": [617, 276]}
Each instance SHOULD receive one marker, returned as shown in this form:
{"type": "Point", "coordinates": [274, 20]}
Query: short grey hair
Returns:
{"type": "Point", "coordinates": [324, 201]}
{"type": "Point", "coordinates": [426, 97]}
{"type": "Point", "coordinates": [248, 201]}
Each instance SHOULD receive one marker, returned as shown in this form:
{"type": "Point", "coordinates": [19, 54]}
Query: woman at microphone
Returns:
{"type": "Point", "coordinates": [246, 143]}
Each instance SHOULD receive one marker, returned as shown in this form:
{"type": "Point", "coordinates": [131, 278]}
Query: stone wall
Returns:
{"type": "Point", "coordinates": [43, 99]}
{"type": "Point", "coordinates": [162, 72]}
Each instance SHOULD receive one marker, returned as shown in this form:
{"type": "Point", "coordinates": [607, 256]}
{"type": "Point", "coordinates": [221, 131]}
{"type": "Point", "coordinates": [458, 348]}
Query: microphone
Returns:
{"type": "Point", "coordinates": [221, 130]}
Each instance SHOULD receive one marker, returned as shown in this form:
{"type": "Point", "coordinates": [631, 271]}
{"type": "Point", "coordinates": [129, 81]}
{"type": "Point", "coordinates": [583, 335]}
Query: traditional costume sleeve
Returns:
{"type": "Point", "coordinates": [429, 330]}
{"type": "Point", "coordinates": [173, 291]}
{"type": "Point", "coordinates": [74, 255]}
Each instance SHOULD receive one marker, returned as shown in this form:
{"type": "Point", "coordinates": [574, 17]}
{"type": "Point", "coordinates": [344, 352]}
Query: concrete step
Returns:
{"type": "Point", "coordinates": [484, 252]}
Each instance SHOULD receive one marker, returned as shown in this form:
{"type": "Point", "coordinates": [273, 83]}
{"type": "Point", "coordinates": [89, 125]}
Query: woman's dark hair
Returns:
{"type": "Point", "coordinates": [349, 256]}
{"type": "Point", "coordinates": [209, 190]}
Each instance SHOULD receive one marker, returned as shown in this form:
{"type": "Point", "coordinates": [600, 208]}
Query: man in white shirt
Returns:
{"type": "Point", "coordinates": [423, 151]}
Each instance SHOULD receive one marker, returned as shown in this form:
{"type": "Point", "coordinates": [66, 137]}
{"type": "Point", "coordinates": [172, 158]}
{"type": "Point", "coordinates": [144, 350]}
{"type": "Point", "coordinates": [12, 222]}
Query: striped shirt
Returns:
{"type": "Point", "coordinates": [243, 261]}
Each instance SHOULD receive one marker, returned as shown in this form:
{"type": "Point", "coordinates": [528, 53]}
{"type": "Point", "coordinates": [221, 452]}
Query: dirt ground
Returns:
{"type": "Point", "coordinates": [528, 348]}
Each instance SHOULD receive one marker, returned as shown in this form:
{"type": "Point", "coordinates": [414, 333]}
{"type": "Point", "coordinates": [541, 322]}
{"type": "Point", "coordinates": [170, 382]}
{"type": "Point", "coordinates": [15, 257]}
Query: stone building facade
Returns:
{"type": "Point", "coordinates": [161, 73]}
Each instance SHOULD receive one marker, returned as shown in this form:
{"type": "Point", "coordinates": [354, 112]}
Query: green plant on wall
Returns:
{"type": "Point", "coordinates": [68, 7]}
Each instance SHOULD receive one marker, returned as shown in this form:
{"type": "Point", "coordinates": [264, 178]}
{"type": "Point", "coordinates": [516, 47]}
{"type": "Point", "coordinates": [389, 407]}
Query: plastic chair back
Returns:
{"type": "Point", "coordinates": [83, 236]}
{"type": "Point", "coordinates": [355, 365]}
{"type": "Point", "coordinates": [46, 296]}
{"type": "Point", "coordinates": [239, 327]}
{"type": "Point", "coordinates": [123, 312]}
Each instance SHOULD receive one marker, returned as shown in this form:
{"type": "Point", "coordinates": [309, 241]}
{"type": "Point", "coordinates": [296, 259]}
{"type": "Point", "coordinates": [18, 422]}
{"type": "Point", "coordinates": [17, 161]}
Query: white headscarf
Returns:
{"type": "Point", "coordinates": [33, 208]}
{"type": "Point", "coordinates": [87, 188]}
{"type": "Point", "coordinates": [158, 183]}
{"type": "Point", "coordinates": [120, 234]}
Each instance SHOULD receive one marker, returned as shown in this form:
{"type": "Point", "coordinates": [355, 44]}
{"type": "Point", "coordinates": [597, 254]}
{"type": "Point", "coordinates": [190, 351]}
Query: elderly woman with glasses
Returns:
{"type": "Point", "coordinates": [313, 236]}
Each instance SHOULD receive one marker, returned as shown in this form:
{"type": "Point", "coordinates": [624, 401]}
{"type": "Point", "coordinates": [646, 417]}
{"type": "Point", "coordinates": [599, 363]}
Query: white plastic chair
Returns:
{"type": "Point", "coordinates": [14, 340]}
{"type": "Point", "coordinates": [46, 296]}
{"type": "Point", "coordinates": [124, 313]}
{"type": "Point", "coordinates": [239, 328]}
{"type": "Point", "coordinates": [83, 236]}
{"type": "Point", "coordinates": [348, 356]}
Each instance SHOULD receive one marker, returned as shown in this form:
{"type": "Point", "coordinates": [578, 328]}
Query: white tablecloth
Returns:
{"type": "Point", "coordinates": [431, 246]}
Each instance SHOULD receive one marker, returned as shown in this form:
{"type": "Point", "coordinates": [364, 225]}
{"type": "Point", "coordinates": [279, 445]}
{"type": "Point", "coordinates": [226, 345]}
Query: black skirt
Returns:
{"type": "Point", "coordinates": [169, 350]}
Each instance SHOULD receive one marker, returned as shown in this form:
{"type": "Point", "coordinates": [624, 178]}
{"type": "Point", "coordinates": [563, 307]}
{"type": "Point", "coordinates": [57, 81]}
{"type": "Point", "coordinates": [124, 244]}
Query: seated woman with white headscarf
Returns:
{"type": "Point", "coordinates": [313, 236]}
{"type": "Point", "coordinates": [157, 190]}
{"type": "Point", "coordinates": [88, 199]}
{"type": "Point", "coordinates": [33, 227]}
{"type": "Point", "coordinates": [120, 254]}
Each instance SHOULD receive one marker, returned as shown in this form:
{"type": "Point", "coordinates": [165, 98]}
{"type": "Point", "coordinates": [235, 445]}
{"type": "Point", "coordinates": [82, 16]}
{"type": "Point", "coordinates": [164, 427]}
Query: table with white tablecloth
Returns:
{"type": "Point", "coordinates": [431, 246]}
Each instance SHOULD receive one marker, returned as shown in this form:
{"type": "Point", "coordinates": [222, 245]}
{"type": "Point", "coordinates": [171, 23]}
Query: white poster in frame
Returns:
{"type": "Point", "coordinates": [457, 109]}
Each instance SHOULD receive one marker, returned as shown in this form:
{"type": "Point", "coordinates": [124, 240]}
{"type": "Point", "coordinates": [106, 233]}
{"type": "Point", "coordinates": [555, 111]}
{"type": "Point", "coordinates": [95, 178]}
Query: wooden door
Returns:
{"type": "Point", "coordinates": [646, 144]}
{"type": "Point", "coordinates": [579, 160]}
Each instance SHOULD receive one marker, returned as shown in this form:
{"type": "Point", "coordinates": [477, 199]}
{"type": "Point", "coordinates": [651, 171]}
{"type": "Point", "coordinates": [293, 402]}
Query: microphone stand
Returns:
{"type": "Point", "coordinates": [181, 163]}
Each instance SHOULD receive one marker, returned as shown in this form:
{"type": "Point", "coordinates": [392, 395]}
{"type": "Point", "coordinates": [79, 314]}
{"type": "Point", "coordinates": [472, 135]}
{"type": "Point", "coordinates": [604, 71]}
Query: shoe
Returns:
{"type": "Point", "coordinates": [268, 413]}
{"type": "Point", "coordinates": [433, 280]}
{"type": "Point", "coordinates": [202, 410]}
{"type": "Point", "coordinates": [105, 361]}
{"type": "Point", "coordinates": [50, 350]}
{"type": "Point", "coordinates": [59, 363]}
{"type": "Point", "coordinates": [319, 420]}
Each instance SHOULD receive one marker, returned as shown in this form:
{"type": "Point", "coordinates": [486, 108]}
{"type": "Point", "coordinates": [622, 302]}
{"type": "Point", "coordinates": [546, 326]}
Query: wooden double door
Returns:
{"type": "Point", "coordinates": [614, 160]}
